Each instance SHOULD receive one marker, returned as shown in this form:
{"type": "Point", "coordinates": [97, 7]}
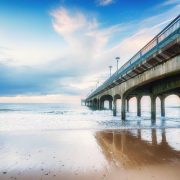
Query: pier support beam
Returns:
{"type": "Point", "coordinates": [114, 107]}
{"type": "Point", "coordinates": [162, 99]}
{"type": "Point", "coordinates": [127, 105]}
{"type": "Point", "coordinates": [98, 104]}
{"type": "Point", "coordinates": [110, 104]}
{"type": "Point", "coordinates": [123, 108]}
{"type": "Point", "coordinates": [93, 104]}
{"type": "Point", "coordinates": [139, 105]}
{"type": "Point", "coordinates": [101, 104]}
{"type": "Point", "coordinates": [153, 108]}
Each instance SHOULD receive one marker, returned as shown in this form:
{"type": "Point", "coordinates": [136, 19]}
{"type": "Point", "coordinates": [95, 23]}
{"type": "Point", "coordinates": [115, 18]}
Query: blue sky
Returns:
{"type": "Point", "coordinates": [57, 50]}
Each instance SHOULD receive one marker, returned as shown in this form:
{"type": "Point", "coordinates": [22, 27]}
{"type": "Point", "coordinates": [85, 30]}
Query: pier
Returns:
{"type": "Point", "coordinates": [154, 71]}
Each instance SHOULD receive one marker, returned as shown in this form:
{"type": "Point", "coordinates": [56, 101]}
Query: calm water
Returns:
{"type": "Point", "coordinates": [71, 117]}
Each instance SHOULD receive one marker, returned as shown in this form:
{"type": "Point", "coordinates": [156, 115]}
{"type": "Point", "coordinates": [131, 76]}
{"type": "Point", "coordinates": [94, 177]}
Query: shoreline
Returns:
{"type": "Point", "coordinates": [87, 154]}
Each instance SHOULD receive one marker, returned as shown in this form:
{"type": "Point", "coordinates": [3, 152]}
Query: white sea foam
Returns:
{"type": "Point", "coordinates": [68, 117]}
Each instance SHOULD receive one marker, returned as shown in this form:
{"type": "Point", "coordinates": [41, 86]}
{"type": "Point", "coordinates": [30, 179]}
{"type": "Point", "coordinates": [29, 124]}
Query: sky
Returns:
{"type": "Point", "coordinates": [59, 50]}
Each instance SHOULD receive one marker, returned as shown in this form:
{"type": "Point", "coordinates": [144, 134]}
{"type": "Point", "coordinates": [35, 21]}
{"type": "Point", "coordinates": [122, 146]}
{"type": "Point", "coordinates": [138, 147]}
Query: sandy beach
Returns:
{"type": "Point", "coordinates": [84, 154]}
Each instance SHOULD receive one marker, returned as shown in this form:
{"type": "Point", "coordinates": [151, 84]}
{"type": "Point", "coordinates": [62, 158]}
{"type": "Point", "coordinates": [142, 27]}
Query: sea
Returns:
{"type": "Point", "coordinates": [54, 116]}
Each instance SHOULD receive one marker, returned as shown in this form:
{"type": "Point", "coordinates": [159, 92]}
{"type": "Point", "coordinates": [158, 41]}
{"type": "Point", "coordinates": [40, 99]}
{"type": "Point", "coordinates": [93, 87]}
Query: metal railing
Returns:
{"type": "Point", "coordinates": [165, 33]}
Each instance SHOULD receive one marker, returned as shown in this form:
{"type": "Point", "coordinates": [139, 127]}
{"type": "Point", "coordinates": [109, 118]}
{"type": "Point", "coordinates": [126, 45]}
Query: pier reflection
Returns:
{"type": "Point", "coordinates": [129, 149]}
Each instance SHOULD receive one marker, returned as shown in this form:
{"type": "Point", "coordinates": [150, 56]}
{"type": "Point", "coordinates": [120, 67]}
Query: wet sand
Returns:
{"type": "Point", "coordinates": [85, 154]}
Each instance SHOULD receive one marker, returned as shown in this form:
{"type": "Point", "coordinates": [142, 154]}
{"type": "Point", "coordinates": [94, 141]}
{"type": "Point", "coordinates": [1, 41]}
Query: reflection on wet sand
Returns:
{"type": "Point", "coordinates": [128, 149]}
{"type": "Point", "coordinates": [86, 155]}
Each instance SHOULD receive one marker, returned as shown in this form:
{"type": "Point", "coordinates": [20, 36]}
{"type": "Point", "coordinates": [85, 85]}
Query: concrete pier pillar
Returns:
{"type": "Point", "coordinates": [98, 104]}
{"type": "Point", "coordinates": [101, 104]}
{"type": "Point", "coordinates": [162, 99]}
{"type": "Point", "coordinates": [114, 107]}
{"type": "Point", "coordinates": [139, 105]}
{"type": "Point", "coordinates": [153, 108]}
{"type": "Point", "coordinates": [93, 104]}
{"type": "Point", "coordinates": [123, 108]}
{"type": "Point", "coordinates": [110, 104]}
{"type": "Point", "coordinates": [127, 105]}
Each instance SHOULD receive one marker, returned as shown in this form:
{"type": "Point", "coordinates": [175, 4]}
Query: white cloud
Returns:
{"type": "Point", "coordinates": [66, 24]}
{"type": "Point", "coordinates": [105, 2]}
{"type": "Point", "coordinates": [84, 37]}
{"type": "Point", "coordinates": [83, 41]}
{"type": "Point", "coordinates": [170, 2]}
{"type": "Point", "coordinates": [167, 3]}
{"type": "Point", "coordinates": [85, 53]}
{"type": "Point", "coordinates": [41, 99]}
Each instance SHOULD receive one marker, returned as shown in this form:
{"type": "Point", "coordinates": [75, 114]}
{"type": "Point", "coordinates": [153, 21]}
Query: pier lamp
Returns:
{"type": "Point", "coordinates": [110, 67]}
{"type": "Point", "coordinates": [97, 84]}
{"type": "Point", "coordinates": [117, 59]}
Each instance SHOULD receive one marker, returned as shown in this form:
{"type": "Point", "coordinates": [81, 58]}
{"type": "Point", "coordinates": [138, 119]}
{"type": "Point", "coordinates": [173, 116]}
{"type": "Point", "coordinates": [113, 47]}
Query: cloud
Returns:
{"type": "Point", "coordinates": [78, 29]}
{"type": "Point", "coordinates": [66, 21]}
{"type": "Point", "coordinates": [168, 3]}
{"type": "Point", "coordinates": [105, 2]}
{"type": "Point", "coordinates": [171, 2]}
{"type": "Point", "coordinates": [55, 98]}
{"type": "Point", "coordinates": [73, 71]}
{"type": "Point", "coordinates": [37, 80]}
{"type": "Point", "coordinates": [84, 58]}
{"type": "Point", "coordinates": [85, 39]}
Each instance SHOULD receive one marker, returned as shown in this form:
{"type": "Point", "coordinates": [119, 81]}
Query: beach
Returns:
{"type": "Point", "coordinates": [89, 154]}
{"type": "Point", "coordinates": [108, 151]}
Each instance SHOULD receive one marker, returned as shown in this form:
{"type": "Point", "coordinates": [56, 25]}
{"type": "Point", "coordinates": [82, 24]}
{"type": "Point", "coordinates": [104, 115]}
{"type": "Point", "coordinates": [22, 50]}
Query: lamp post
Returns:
{"type": "Point", "coordinates": [97, 84]}
{"type": "Point", "coordinates": [110, 67]}
{"type": "Point", "coordinates": [117, 59]}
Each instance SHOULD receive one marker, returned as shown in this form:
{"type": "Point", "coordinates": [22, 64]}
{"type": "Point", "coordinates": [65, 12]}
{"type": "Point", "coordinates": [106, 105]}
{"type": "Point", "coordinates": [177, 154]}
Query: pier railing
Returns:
{"type": "Point", "coordinates": [155, 44]}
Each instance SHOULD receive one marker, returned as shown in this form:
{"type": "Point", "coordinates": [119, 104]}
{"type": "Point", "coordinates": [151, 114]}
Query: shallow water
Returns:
{"type": "Point", "coordinates": [56, 141]}
{"type": "Point", "coordinates": [70, 117]}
